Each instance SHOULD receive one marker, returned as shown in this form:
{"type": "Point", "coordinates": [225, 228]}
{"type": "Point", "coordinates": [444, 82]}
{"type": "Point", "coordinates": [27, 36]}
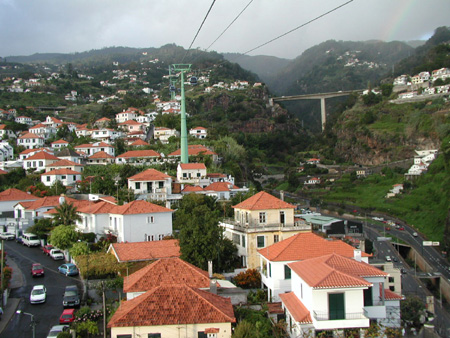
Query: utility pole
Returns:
{"type": "Point", "coordinates": [104, 309]}
{"type": "Point", "coordinates": [1, 279]}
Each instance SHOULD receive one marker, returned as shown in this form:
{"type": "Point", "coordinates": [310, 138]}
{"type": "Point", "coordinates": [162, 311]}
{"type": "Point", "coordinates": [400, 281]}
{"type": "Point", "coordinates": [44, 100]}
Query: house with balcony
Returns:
{"type": "Point", "coordinates": [151, 184]}
{"type": "Point", "coordinates": [136, 221]}
{"type": "Point", "coordinates": [64, 164]}
{"type": "Point", "coordinates": [66, 176]}
{"type": "Point", "coordinates": [52, 122]}
{"type": "Point", "coordinates": [258, 222]}
{"type": "Point", "coordinates": [106, 134]}
{"type": "Point", "coordinates": [139, 157]}
{"type": "Point", "coordinates": [192, 173]}
{"type": "Point", "coordinates": [223, 190]}
{"type": "Point", "coordinates": [6, 151]}
{"type": "Point", "coordinates": [101, 157]}
{"type": "Point", "coordinates": [131, 126]}
{"type": "Point", "coordinates": [274, 259]}
{"type": "Point", "coordinates": [92, 148]}
{"type": "Point", "coordinates": [43, 130]}
{"type": "Point", "coordinates": [30, 141]}
{"type": "Point", "coordinates": [10, 197]}
{"type": "Point", "coordinates": [163, 134]}
{"type": "Point", "coordinates": [198, 132]}
{"type": "Point", "coordinates": [6, 133]}
{"type": "Point", "coordinates": [24, 120]}
{"type": "Point", "coordinates": [57, 145]}
{"type": "Point", "coordinates": [332, 293]}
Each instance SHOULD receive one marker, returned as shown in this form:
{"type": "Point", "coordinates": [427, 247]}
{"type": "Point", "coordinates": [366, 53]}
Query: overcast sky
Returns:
{"type": "Point", "coordinates": [63, 26]}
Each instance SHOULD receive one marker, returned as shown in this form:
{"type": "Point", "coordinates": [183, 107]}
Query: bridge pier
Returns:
{"type": "Point", "coordinates": [323, 113]}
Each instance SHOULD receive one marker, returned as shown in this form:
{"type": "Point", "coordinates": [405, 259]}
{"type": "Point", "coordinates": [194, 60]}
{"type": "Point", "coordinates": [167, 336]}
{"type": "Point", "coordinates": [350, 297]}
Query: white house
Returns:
{"type": "Point", "coordinates": [274, 259]}
{"type": "Point", "coordinates": [67, 177]}
{"type": "Point", "coordinates": [223, 190]}
{"type": "Point", "coordinates": [90, 149]}
{"type": "Point", "coordinates": [30, 141]}
{"type": "Point", "coordinates": [126, 115]}
{"type": "Point", "coordinates": [132, 222]}
{"type": "Point", "coordinates": [106, 134]}
{"type": "Point", "coordinates": [24, 120]}
{"type": "Point", "coordinates": [64, 164]}
{"type": "Point", "coordinates": [198, 132]}
{"type": "Point", "coordinates": [39, 161]}
{"type": "Point", "coordinates": [152, 183]}
{"type": "Point", "coordinates": [138, 157]}
{"type": "Point", "coordinates": [10, 197]}
{"type": "Point", "coordinates": [163, 134]}
{"type": "Point", "coordinates": [59, 144]}
{"type": "Point", "coordinates": [191, 173]}
{"type": "Point", "coordinates": [6, 151]}
{"type": "Point", "coordinates": [43, 130]}
{"type": "Point", "coordinates": [331, 293]}
{"type": "Point", "coordinates": [313, 181]}
{"type": "Point", "coordinates": [6, 133]}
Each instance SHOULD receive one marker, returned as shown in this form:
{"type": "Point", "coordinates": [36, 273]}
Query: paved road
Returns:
{"type": "Point", "coordinates": [46, 314]}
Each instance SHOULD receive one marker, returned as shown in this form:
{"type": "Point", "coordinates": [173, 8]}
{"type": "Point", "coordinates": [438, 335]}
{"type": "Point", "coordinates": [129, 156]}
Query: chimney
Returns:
{"type": "Point", "coordinates": [357, 255]}
{"type": "Point", "coordinates": [212, 281]}
{"type": "Point", "coordinates": [210, 269]}
{"type": "Point", "coordinates": [282, 195]}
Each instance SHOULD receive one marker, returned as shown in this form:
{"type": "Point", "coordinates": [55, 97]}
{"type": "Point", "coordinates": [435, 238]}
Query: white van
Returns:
{"type": "Point", "coordinates": [30, 240]}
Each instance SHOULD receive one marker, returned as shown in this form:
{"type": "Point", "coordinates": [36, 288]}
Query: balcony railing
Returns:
{"type": "Point", "coordinates": [324, 315]}
{"type": "Point", "coordinates": [256, 226]}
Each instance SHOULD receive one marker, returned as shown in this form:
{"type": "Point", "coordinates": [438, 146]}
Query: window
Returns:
{"type": "Point", "coordinates": [138, 185]}
{"type": "Point", "coordinates": [243, 241]}
{"type": "Point", "coordinates": [184, 175]}
{"type": "Point", "coordinates": [391, 279]}
{"type": "Point", "coordinates": [260, 241]}
{"type": "Point", "coordinates": [48, 178]}
{"type": "Point", "coordinates": [124, 336]}
{"type": "Point", "coordinates": [74, 177]}
{"type": "Point", "coordinates": [150, 238]}
{"type": "Point", "coordinates": [392, 288]}
{"type": "Point", "coordinates": [198, 174]}
{"type": "Point", "coordinates": [276, 238]}
{"type": "Point", "coordinates": [161, 184]}
{"type": "Point", "coordinates": [282, 219]}
{"type": "Point", "coordinates": [236, 239]}
{"type": "Point", "coordinates": [63, 177]}
{"type": "Point", "coordinates": [262, 217]}
{"type": "Point", "coordinates": [270, 270]}
{"type": "Point", "coordinates": [154, 335]}
{"type": "Point", "coordinates": [287, 272]}
{"type": "Point", "coordinates": [336, 306]}
{"type": "Point", "coordinates": [202, 334]}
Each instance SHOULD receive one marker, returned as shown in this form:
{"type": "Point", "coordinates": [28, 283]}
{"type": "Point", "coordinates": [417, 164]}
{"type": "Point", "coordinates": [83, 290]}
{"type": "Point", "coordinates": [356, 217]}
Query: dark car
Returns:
{"type": "Point", "coordinates": [71, 296]}
{"type": "Point", "coordinates": [19, 239]}
{"type": "Point", "coordinates": [37, 270]}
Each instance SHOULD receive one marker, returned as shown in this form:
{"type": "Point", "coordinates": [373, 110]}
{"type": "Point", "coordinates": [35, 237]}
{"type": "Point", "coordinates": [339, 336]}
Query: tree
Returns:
{"type": "Point", "coordinates": [201, 238]}
{"type": "Point", "coordinates": [66, 214]}
{"type": "Point", "coordinates": [63, 236]}
{"type": "Point", "coordinates": [249, 279]}
{"type": "Point", "coordinates": [42, 227]}
{"type": "Point", "coordinates": [412, 309]}
{"type": "Point", "coordinates": [79, 248]}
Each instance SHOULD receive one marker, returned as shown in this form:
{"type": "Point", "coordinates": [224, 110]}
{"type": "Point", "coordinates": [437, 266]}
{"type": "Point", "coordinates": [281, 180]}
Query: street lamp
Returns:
{"type": "Point", "coordinates": [33, 323]}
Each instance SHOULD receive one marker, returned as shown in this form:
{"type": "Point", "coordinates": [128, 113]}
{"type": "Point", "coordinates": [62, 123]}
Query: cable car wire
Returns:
{"type": "Point", "coordinates": [199, 29]}
{"type": "Point", "coordinates": [298, 27]}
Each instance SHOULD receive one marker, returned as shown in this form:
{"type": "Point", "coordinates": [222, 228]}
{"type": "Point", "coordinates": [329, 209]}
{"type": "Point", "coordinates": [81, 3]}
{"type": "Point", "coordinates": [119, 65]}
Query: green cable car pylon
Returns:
{"type": "Point", "coordinates": [182, 68]}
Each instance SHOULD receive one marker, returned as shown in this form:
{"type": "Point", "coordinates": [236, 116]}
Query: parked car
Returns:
{"type": "Point", "coordinates": [71, 296]}
{"type": "Point", "coordinates": [19, 240]}
{"type": "Point", "coordinates": [415, 234]}
{"type": "Point", "coordinates": [388, 259]}
{"type": "Point", "coordinates": [57, 329]}
{"type": "Point", "coordinates": [68, 269]}
{"type": "Point", "coordinates": [395, 259]}
{"type": "Point", "coordinates": [388, 228]}
{"type": "Point", "coordinates": [68, 316]}
{"type": "Point", "coordinates": [56, 254]}
{"type": "Point", "coordinates": [401, 228]}
{"type": "Point", "coordinates": [30, 240]}
{"type": "Point", "coordinates": [37, 270]}
{"type": "Point", "coordinates": [38, 294]}
{"type": "Point", "coordinates": [7, 236]}
{"type": "Point", "coordinates": [46, 249]}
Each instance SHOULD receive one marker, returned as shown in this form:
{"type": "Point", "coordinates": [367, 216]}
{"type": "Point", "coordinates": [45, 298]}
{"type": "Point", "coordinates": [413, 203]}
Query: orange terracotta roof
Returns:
{"type": "Point", "coordinates": [100, 154]}
{"type": "Point", "coordinates": [76, 203]}
{"type": "Point", "coordinates": [192, 166]}
{"type": "Point", "coordinates": [14, 194]}
{"type": "Point", "coordinates": [63, 171]}
{"type": "Point", "coordinates": [2, 172]}
{"type": "Point", "coordinates": [60, 142]}
{"type": "Point", "coordinates": [149, 175]}
{"type": "Point", "coordinates": [139, 153]}
{"type": "Point", "coordinates": [48, 201]}
{"type": "Point", "coordinates": [130, 122]}
{"type": "Point", "coordinates": [146, 251]}
{"type": "Point", "coordinates": [163, 272]}
{"type": "Point", "coordinates": [202, 128]}
{"type": "Point", "coordinates": [138, 207]}
{"type": "Point", "coordinates": [103, 119]}
{"type": "Point", "coordinates": [216, 175]}
{"type": "Point", "coordinates": [192, 188]}
{"type": "Point", "coordinates": [40, 125]}
{"type": "Point", "coordinates": [221, 186]}
{"type": "Point", "coordinates": [304, 246]}
{"type": "Point", "coordinates": [42, 155]}
{"type": "Point", "coordinates": [29, 135]}
{"type": "Point", "coordinates": [194, 150]}
{"type": "Point", "coordinates": [27, 151]}
{"type": "Point", "coordinates": [97, 208]}
{"type": "Point", "coordinates": [296, 308]}
{"type": "Point", "coordinates": [64, 163]}
{"type": "Point", "coordinates": [139, 143]}
{"type": "Point", "coordinates": [331, 271]}
{"type": "Point", "coordinates": [263, 201]}
{"type": "Point", "coordinates": [390, 295]}
{"type": "Point", "coordinates": [274, 308]}
{"type": "Point", "coordinates": [173, 305]}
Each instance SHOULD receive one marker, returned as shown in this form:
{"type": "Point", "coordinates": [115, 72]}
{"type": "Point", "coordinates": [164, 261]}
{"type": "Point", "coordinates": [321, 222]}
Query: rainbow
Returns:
{"type": "Point", "coordinates": [399, 15]}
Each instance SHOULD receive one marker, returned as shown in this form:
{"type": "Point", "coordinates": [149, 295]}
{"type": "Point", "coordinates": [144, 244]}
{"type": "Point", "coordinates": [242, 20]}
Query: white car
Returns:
{"type": "Point", "coordinates": [55, 330]}
{"type": "Point", "coordinates": [56, 254]}
{"type": "Point", "coordinates": [38, 294]}
{"type": "Point", "coordinates": [7, 235]}
{"type": "Point", "coordinates": [388, 259]}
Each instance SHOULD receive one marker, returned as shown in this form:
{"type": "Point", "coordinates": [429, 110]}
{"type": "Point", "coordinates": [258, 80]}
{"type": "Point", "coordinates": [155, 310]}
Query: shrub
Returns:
{"type": "Point", "coordinates": [248, 279]}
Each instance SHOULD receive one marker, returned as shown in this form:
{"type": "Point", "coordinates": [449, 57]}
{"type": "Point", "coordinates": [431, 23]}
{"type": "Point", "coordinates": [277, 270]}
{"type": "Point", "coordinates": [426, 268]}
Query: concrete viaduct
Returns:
{"type": "Point", "coordinates": [319, 96]}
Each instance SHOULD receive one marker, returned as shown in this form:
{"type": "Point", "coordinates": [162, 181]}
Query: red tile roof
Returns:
{"type": "Point", "coordinates": [192, 188]}
{"type": "Point", "coordinates": [390, 295]}
{"type": "Point", "coordinates": [146, 251]}
{"type": "Point", "coordinates": [149, 175]}
{"type": "Point", "coordinates": [139, 207]}
{"type": "Point", "coordinates": [29, 135]}
{"type": "Point", "coordinates": [60, 142]}
{"type": "Point", "coordinates": [221, 186]}
{"type": "Point", "coordinates": [193, 150]}
{"type": "Point", "coordinates": [192, 166]}
{"type": "Point", "coordinates": [299, 311]}
{"type": "Point", "coordinates": [304, 246]}
{"type": "Point", "coordinates": [63, 171]}
{"type": "Point", "coordinates": [2, 172]}
{"type": "Point", "coordinates": [163, 272]}
{"type": "Point", "coordinates": [14, 194]}
{"type": "Point", "coordinates": [42, 155]}
{"type": "Point", "coordinates": [65, 163]}
{"type": "Point", "coordinates": [97, 208]}
{"type": "Point", "coordinates": [173, 305]}
{"type": "Point", "coordinates": [335, 271]}
{"type": "Point", "coordinates": [48, 201]}
{"type": "Point", "coordinates": [130, 122]}
{"type": "Point", "coordinates": [138, 143]}
{"type": "Point", "coordinates": [139, 153]}
{"type": "Point", "coordinates": [101, 154]}
{"type": "Point", "coordinates": [263, 201]}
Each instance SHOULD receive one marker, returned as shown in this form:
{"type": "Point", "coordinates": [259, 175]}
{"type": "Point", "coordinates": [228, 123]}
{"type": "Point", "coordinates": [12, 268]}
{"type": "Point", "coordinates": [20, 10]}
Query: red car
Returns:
{"type": "Point", "coordinates": [388, 228]}
{"type": "Point", "coordinates": [401, 228]}
{"type": "Point", "coordinates": [37, 270]}
{"type": "Point", "coordinates": [46, 249]}
{"type": "Point", "coordinates": [68, 316]}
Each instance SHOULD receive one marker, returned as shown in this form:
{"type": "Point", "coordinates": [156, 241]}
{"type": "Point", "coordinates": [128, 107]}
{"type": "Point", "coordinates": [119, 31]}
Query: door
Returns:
{"type": "Point", "coordinates": [336, 306]}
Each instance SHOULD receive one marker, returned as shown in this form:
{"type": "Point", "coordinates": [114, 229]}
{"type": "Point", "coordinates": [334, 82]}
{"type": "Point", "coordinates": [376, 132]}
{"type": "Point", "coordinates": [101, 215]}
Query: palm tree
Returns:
{"type": "Point", "coordinates": [66, 214]}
